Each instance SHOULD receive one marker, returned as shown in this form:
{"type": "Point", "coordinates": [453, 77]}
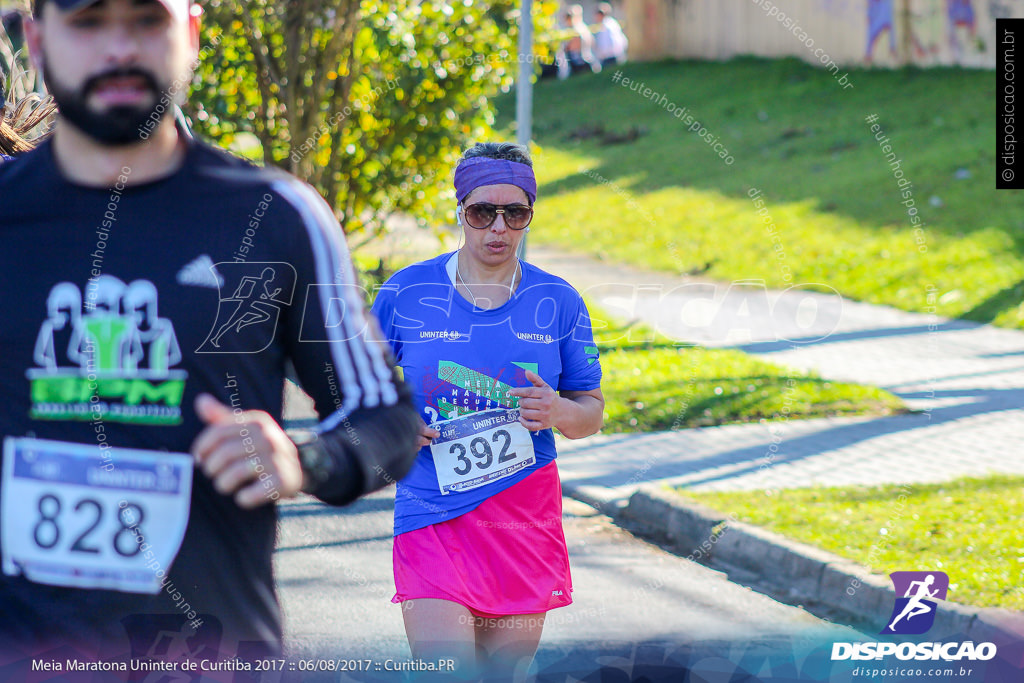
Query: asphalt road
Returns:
{"type": "Point", "coordinates": [640, 613]}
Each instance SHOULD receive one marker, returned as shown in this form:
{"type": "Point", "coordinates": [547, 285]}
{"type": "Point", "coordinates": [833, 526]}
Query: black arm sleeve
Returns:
{"type": "Point", "coordinates": [369, 426]}
{"type": "Point", "coordinates": [371, 448]}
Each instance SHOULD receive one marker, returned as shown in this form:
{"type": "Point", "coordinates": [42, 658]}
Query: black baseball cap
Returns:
{"type": "Point", "coordinates": [179, 9]}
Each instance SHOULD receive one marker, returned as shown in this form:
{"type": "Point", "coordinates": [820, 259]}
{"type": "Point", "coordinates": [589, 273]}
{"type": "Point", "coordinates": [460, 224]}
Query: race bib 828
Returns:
{"type": "Point", "coordinates": [72, 516]}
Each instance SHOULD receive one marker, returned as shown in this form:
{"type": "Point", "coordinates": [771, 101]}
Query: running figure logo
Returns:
{"type": "Point", "coordinates": [914, 613]}
{"type": "Point", "coordinates": [247, 318]}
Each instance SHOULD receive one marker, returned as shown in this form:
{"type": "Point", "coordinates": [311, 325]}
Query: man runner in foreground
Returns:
{"type": "Point", "coordinates": [141, 462]}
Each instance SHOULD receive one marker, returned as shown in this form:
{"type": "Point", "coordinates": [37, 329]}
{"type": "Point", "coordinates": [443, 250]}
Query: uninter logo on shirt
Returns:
{"type": "Point", "coordinates": [533, 336]}
{"type": "Point", "coordinates": [440, 334]}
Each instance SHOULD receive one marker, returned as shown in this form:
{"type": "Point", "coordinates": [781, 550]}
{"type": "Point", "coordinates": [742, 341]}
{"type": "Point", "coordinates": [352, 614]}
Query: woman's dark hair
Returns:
{"type": "Point", "coordinates": [17, 121]}
{"type": "Point", "coordinates": [508, 151]}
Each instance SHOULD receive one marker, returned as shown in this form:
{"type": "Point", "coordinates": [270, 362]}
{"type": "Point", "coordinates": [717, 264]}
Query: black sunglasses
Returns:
{"type": "Point", "coordinates": [483, 215]}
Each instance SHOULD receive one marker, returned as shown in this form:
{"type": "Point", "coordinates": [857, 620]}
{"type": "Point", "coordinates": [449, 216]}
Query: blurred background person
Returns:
{"type": "Point", "coordinates": [610, 43]}
{"type": "Point", "coordinates": [579, 50]}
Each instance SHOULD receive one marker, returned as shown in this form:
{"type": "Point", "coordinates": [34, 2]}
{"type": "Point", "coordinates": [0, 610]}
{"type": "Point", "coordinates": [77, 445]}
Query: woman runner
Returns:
{"type": "Point", "coordinates": [498, 353]}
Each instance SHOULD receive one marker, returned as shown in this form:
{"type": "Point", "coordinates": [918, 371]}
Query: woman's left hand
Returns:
{"type": "Point", "coordinates": [538, 405]}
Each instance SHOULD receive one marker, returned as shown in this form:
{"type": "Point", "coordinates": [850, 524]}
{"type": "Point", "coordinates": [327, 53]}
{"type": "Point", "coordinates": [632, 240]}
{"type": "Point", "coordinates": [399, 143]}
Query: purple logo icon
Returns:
{"type": "Point", "coordinates": [914, 612]}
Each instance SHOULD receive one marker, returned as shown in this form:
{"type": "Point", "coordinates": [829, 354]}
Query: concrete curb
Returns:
{"type": "Point", "coordinates": [795, 572]}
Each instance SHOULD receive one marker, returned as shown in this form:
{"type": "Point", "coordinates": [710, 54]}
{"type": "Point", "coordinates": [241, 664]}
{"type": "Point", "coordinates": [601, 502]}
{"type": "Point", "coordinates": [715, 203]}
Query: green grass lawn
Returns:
{"type": "Point", "coordinates": [968, 528]}
{"type": "Point", "coordinates": [658, 386]}
{"type": "Point", "coordinates": [668, 202]}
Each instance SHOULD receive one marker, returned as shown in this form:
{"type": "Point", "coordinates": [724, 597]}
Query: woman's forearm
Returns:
{"type": "Point", "coordinates": [579, 416]}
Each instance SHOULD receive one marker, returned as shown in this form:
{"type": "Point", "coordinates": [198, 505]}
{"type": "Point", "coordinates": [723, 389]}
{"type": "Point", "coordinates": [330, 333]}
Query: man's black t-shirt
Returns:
{"type": "Point", "coordinates": [120, 305]}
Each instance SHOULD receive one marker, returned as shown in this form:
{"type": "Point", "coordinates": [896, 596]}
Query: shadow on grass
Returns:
{"type": "Point", "coordinates": [840, 337]}
{"type": "Point", "coordinates": [991, 308]}
{"type": "Point", "coordinates": [698, 467]}
{"type": "Point", "coordinates": [707, 409]}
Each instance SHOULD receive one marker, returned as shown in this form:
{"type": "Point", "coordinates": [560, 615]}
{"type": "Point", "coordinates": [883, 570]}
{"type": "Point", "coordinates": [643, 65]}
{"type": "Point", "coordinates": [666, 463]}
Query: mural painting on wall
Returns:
{"type": "Point", "coordinates": [926, 29]}
{"type": "Point", "coordinates": [652, 23]}
{"type": "Point", "coordinates": [961, 19]}
{"type": "Point", "coordinates": [879, 22]}
{"type": "Point", "coordinates": [927, 26]}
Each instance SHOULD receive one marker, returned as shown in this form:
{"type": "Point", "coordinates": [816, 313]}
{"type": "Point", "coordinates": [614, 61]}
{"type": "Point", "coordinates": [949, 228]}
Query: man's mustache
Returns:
{"type": "Point", "coordinates": [94, 82]}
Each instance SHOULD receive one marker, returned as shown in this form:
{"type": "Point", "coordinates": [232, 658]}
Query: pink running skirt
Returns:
{"type": "Point", "coordinates": [507, 556]}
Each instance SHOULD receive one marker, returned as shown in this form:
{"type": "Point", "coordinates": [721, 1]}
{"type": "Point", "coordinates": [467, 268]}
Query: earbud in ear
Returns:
{"type": "Point", "coordinates": [458, 215]}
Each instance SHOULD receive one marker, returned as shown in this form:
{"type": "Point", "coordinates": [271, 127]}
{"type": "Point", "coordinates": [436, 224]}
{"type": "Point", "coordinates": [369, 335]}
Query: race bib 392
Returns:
{"type": "Point", "coordinates": [480, 448]}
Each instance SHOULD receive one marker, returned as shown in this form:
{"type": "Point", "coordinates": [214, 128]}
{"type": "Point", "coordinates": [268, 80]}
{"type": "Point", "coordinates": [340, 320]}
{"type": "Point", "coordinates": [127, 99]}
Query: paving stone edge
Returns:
{"type": "Point", "coordinates": [793, 570]}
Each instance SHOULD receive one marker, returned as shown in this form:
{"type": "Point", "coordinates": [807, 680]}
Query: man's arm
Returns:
{"type": "Point", "coordinates": [367, 437]}
{"type": "Point", "coordinates": [250, 457]}
{"type": "Point", "coordinates": [362, 451]}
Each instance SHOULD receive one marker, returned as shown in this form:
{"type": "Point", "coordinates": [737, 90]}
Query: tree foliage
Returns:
{"type": "Point", "coordinates": [369, 102]}
{"type": "Point", "coordinates": [16, 72]}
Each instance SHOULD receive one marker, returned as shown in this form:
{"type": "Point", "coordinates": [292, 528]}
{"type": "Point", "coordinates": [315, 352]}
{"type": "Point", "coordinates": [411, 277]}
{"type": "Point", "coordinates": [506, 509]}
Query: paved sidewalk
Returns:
{"type": "Point", "coordinates": [966, 379]}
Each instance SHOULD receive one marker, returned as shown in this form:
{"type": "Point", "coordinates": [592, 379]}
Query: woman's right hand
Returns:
{"type": "Point", "coordinates": [426, 435]}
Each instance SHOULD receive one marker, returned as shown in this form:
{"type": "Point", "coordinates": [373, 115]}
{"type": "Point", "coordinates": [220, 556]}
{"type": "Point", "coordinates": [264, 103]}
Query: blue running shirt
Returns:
{"type": "Point", "coordinates": [460, 360]}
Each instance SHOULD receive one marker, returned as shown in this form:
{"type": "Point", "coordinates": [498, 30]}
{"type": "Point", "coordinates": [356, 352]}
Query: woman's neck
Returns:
{"type": "Point", "coordinates": [475, 272]}
{"type": "Point", "coordinates": [486, 287]}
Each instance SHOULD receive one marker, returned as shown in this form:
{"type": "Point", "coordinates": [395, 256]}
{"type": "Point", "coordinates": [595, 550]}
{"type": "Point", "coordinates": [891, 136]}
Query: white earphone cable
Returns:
{"type": "Point", "coordinates": [511, 283]}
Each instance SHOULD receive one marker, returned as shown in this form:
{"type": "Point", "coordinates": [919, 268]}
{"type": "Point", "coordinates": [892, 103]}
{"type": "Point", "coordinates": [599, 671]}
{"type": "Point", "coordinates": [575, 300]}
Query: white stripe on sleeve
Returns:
{"type": "Point", "coordinates": [360, 378]}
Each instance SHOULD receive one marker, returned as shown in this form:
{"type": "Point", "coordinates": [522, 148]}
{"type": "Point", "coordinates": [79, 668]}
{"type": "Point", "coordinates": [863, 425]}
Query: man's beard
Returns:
{"type": "Point", "coordinates": [117, 126]}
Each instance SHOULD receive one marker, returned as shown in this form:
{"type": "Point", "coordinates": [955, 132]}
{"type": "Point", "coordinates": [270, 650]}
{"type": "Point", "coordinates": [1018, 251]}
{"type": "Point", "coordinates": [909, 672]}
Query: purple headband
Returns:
{"type": "Point", "coordinates": [480, 171]}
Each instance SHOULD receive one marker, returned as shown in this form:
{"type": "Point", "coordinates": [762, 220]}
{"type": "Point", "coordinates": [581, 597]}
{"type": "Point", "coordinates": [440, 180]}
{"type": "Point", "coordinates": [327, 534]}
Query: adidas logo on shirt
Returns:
{"type": "Point", "coordinates": [200, 273]}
